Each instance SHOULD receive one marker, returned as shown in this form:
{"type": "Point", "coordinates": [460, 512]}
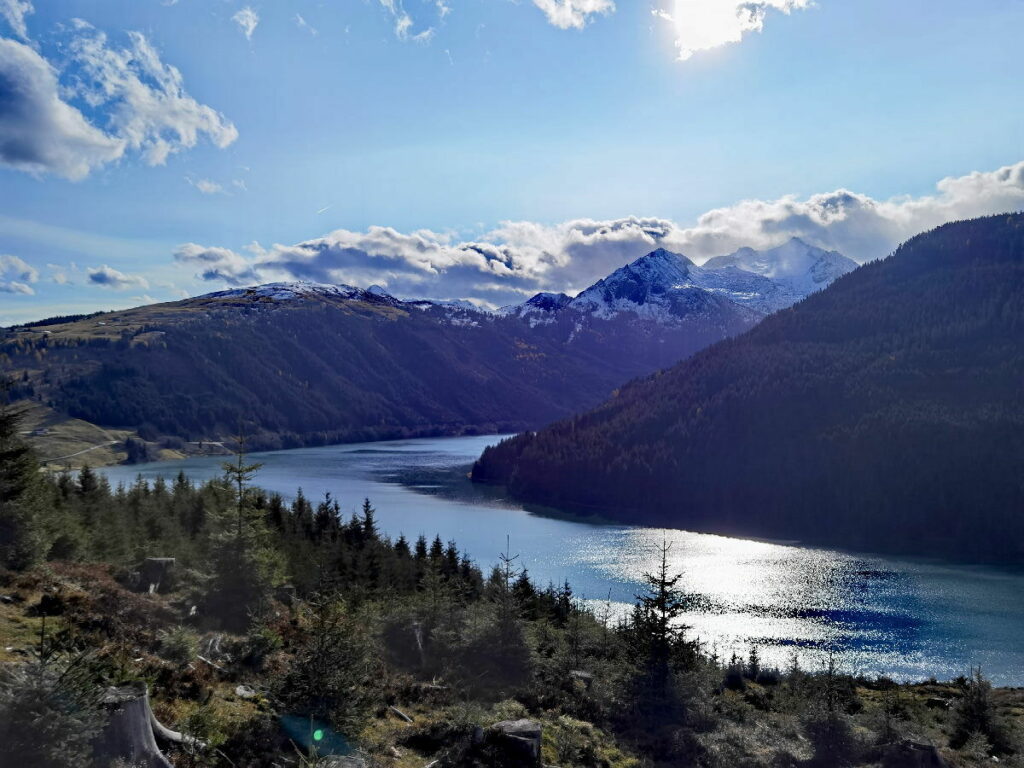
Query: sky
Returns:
{"type": "Point", "coordinates": [482, 149]}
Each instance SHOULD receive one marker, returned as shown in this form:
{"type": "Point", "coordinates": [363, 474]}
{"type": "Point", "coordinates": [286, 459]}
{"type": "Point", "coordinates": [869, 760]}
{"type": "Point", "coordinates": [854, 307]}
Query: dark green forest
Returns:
{"type": "Point", "coordinates": [324, 370]}
{"type": "Point", "coordinates": [284, 635]}
{"type": "Point", "coordinates": [883, 413]}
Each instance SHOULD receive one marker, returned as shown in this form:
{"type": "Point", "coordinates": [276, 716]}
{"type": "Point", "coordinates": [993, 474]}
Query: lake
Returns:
{"type": "Point", "coordinates": [904, 618]}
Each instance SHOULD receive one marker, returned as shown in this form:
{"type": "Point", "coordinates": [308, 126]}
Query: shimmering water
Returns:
{"type": "Point", "coordinates": [903, 618]}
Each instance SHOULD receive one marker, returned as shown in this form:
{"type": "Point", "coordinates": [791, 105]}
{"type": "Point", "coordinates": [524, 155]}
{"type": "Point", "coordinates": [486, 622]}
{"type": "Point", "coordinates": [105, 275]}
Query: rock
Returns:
{"type": "Point", "coordinates": [245, 692]}
{"type": "Point", "coordinates": [911, 754]}
{"type": "Point", "coordinates": [520, 740]}
{"type": "Point", "coordinates": [7, 599]}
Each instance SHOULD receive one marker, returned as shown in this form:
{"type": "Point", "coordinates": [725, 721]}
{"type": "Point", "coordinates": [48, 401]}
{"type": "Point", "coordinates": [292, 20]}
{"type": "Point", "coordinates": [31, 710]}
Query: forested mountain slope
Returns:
{"type": "Point", "coordinates": [320, 365]}
{"type": "Point", "coordinates": [302, 363]}
{"type": "Point", "coordinates": [885, 412]}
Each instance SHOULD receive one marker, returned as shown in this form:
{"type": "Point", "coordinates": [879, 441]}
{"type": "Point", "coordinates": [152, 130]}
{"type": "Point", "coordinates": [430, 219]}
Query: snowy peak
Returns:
{"type": "Point", "coordinates": [303, 290]}
{"type": "Point", "coordinates": [800, 266]}
{"type": "Point", "coordinates": [666, 287]}
{"type": "Point", "coordinates": [538, 303]}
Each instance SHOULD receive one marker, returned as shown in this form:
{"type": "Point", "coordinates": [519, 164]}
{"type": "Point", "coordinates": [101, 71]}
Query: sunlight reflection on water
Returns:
{"type": "Point", "coordinates": [903, 618]}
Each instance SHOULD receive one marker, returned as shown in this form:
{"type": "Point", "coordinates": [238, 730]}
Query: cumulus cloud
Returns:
{"type": "Point", "coordinates": [217, 264]}
{"type": "Point", "coordinates": [14, 12]}
{"type": "Point", "coordinates": [520, 258]}
{"type": "Point", "coordinates": [16, 274]}
{"type": "Point", "coordinates": [145, 98]}
{"type": "Point", "coordinates": [855, 224]}
{"type": "Point", "coordinates": [704, 24]}
{"type": "Point", "coordinates": [573, 14]}
{"type": "Point", "coordinates": [39, 131]}
{"type": "Point", "coordinates": [142, 99]}
{"type": "Point", "coordinates": [247, 19]}
{"type": "Point", "coordinates": [108, 277]}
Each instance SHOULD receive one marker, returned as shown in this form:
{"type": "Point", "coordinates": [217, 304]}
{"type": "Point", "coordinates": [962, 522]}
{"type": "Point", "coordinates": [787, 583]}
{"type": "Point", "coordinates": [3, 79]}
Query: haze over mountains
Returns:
{"type": "Point", "coordinates": [885, 412]}
{"type": "Point", "coordinates": [308, 363]}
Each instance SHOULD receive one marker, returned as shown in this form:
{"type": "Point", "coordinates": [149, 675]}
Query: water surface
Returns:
{"type": "Point", "coordinates": [878, 615]}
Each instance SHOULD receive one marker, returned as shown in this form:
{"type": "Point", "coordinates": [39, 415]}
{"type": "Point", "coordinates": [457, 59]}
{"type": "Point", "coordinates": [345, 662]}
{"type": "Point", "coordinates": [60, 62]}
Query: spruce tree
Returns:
{"type": "Point", "coordinates": [24, 539]}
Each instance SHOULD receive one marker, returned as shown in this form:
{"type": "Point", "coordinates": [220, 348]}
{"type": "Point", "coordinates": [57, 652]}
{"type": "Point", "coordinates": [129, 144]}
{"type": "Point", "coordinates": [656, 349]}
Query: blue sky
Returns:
{"type": "Point", "coordinates": [358, 146]}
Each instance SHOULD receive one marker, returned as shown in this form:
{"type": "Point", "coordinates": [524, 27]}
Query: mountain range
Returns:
{"type": "Point", "coordinates": [307, 363]}
{"type": "Point", "coordinates": [885, 412]}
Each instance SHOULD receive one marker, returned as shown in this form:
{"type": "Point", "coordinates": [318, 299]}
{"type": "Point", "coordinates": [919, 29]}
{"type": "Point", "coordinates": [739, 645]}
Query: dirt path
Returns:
{"type": "Point", "coordinates": [79, 453]}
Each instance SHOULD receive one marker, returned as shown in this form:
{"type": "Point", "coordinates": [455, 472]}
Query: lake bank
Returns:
{"type": "Point", "coordinates": [904, 618]}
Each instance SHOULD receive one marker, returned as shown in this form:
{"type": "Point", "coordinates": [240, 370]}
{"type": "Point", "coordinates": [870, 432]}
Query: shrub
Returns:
{"type": "Point", "coordinates": [179, 645]}
{"type": "Point", "coordinates": [49, 715]}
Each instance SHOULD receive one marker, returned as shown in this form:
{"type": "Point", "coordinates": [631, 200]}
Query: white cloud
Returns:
{"type": "Point", "coordinates": [247, 19]}
{"type": "Point", "coordinates": [206, 186]}
{"type": "Point", "coordinates": [573, 14]}
{"type": "Point", "coordinates": [404, 23]}
{"type": "Point", "coordinates": [146, 101]}
{"type": "Point", "coordinates": [301, 23]}
{"type": "Point", "coordinates": [39, 131]}
{"type": "Point", "coordinates": [704, 24]}
{"type": "Point", "coordinates": [855, 224]}
{"type": "Point", "coordinates": [142, 99]}
{"type": "Point", "coordinates": [16, 274]}
{"type": "Point", "coordinates": [217, 264]}
{"type": "Point", "coordinates": [14, 12]}
{"type": "Point", "coordinates": [108, 277]}
{"type": "Point", "coordinates": [520, 258]}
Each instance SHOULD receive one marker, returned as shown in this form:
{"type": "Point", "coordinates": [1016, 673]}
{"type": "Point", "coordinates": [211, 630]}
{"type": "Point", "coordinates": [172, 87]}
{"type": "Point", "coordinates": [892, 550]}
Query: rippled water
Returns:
{"type": "Point", "coordinates": [903, 618]}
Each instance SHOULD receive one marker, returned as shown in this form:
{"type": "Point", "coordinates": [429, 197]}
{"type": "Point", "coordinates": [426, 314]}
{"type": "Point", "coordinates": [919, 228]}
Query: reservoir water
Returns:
{"type": "Point", "coordinates": [908, 619]}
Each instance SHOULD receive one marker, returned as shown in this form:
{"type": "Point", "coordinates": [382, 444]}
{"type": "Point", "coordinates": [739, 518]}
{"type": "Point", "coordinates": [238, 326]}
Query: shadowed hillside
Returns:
{"type": "Point", "coordinates": [886, 412]}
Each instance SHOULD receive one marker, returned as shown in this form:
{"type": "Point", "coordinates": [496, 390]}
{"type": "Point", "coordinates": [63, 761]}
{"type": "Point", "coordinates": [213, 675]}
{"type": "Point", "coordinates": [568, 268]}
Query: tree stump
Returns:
{"type": "Point", "coordinates": [131, 730]}
{"type": "Point", "coordinates": [519, 740]}
{"type": "Point", "coordinates": [128, 734]}
{"type": "Point", "coordinates": [155, 571]}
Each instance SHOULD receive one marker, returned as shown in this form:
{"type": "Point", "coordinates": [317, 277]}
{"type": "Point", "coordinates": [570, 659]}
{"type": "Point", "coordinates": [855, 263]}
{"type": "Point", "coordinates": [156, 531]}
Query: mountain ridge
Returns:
{"type": "Point", "coordinates": [308, 362]}
{"type": "Point", "coordinates": [884, 412]}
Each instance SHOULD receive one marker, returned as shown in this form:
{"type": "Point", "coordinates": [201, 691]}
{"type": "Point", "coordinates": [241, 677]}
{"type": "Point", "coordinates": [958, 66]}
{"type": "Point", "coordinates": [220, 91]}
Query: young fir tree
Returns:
{"type": "Point", "coordinates": [243, 564]}
{"type": "Point", "coordinates": [24, 539]}
{"type": "Point", "coordinates": [659, 638]}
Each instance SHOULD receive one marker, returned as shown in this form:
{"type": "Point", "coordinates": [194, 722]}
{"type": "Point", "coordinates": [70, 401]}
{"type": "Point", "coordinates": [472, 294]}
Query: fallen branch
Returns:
{"type": "Point", "coordinates": [401, 714]}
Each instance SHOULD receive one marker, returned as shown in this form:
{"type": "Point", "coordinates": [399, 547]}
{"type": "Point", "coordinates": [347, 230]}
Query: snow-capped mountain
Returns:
{"type": "Point", "coordinates": [305, 290]}
{"type": "Point", "coordinates": [801, 267]}
{"type": "Point", "coordinates": [668, 287]}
